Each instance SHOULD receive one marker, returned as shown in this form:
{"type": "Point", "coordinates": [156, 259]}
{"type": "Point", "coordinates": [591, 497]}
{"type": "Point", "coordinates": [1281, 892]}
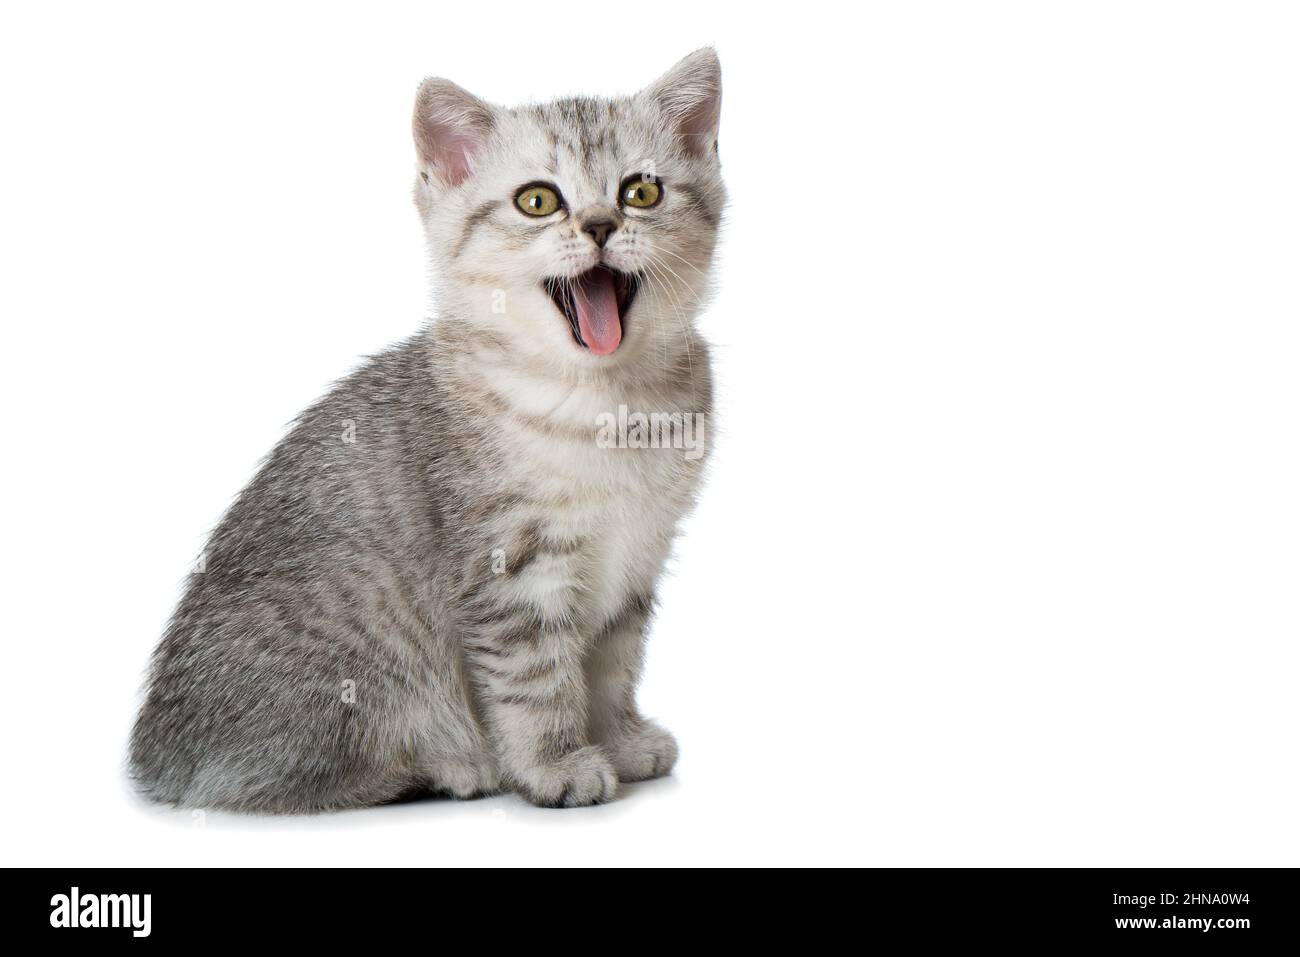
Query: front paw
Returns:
{"type": "Point", "coordinates": [646, 752]}
{"type": "Point", "coordinates": [577, 779]}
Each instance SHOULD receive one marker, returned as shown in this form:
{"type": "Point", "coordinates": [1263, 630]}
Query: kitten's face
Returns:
{"type": "Point", "coordinates": [581, 230]}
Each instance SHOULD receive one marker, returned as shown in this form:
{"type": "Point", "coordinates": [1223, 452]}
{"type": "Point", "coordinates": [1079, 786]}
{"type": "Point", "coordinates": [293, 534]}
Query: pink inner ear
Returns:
{"type": "Point", "coordinates": [453, 151]}
{"type": "Point", "coordinates": [699, 125]}
{"type": "Point", "coordinates": [450, 125]}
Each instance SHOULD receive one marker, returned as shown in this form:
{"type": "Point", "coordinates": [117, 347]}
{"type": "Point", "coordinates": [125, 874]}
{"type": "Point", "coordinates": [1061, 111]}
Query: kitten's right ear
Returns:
{"type": "Point", "coordinates": [450, 126]}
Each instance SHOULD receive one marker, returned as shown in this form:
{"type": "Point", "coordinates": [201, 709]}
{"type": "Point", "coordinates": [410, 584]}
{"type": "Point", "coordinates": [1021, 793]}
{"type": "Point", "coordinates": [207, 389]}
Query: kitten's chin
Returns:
{"type": "Point", "coordinates": [595, 304]}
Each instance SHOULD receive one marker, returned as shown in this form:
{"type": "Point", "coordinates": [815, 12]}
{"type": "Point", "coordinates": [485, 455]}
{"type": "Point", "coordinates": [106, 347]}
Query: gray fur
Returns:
{"type": "Point", "coordinates": [439, 580]}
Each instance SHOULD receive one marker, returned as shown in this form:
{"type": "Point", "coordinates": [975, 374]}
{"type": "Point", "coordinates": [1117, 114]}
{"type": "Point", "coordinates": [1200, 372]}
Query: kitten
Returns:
{"type": "Point", "coordinates": [440, 580]}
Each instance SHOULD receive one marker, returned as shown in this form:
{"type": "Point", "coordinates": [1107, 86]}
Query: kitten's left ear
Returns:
{"type": "Point", "coordinates": [450, 126]}
{"type": "Point", "coordinates": [690, 96]}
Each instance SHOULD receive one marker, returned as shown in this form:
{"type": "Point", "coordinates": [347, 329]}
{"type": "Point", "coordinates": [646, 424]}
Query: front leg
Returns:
{"type": "Point", "coordinates": [528, 670]}
{"type": "Point", "coordinates": [638, 747]}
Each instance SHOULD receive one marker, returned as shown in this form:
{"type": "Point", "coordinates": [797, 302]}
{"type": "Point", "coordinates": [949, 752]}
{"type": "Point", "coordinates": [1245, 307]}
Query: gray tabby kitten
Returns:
{"type": "Point", "coordinates": [440, 580]}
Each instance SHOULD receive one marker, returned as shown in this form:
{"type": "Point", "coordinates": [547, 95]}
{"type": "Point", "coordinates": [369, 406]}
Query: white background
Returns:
{"type": "Point", "coordinates": [998, 561]}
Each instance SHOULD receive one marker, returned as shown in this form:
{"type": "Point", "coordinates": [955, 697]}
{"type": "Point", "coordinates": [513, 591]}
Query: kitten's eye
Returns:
{"type": "Point", "coordinates": [538, 200]}
{"type": "Point", "coordinates": [641, 192]}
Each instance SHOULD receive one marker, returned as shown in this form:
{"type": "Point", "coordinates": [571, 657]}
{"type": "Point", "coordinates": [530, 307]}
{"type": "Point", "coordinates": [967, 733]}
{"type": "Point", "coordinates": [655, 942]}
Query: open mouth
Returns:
{"type": "Point", "coordinates": [596, 305]}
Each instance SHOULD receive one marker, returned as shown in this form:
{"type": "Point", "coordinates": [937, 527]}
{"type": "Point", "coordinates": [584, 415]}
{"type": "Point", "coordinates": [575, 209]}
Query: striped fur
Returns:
{"type": "Point", "coordinates": [439, 580]}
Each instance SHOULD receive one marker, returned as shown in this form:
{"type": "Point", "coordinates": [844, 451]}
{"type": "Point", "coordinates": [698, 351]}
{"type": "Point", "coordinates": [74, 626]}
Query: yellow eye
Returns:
{"type": "Point", "coordinates": [641, 193]}
{"type": "Point", "coordinates": [538, 200]}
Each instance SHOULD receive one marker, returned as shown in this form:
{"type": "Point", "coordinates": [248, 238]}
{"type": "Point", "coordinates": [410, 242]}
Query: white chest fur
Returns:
{"type": "Point", "coordinates": [607, 483]}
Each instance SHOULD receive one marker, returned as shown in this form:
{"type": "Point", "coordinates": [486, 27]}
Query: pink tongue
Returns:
{"type": "Point", "coordinates": [597, 305]}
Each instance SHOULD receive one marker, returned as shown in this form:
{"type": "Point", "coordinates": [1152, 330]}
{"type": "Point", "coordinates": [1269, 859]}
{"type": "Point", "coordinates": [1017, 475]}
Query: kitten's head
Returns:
{"type": "Point", "coordinates": [581, 230]}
